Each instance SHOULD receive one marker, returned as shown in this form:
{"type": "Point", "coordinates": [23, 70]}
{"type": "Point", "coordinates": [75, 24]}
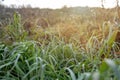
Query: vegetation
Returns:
{"type": "Point", "coordinates": [62, 44]}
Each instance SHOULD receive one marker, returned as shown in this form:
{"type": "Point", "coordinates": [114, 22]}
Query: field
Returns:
{"type": "Point", "coordinates": [79, 43]}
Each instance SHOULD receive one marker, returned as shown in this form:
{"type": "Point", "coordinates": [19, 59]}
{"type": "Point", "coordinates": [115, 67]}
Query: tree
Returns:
{"type": "Point", "coordinates": [117, 8]}
{"type": "Point", "coordinates": [102, 3]}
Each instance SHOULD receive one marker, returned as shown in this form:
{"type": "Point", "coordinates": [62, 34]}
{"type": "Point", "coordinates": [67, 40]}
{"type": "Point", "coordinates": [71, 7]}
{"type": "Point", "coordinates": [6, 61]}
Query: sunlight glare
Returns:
{"type": "Point", "coordinates": [60, 3]}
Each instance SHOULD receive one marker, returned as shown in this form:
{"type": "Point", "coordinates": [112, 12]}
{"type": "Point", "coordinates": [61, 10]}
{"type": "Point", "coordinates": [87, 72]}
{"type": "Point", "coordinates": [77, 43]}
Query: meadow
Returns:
{"type": "Point", "coordinates": [62, 44]}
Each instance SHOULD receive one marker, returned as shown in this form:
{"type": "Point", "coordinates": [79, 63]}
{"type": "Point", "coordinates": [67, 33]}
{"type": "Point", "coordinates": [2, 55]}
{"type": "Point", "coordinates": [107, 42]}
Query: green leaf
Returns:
{"type": "Point", "coordinates": [103, 67]}
{"type": "Point", "coordinates": [114, 67]}
{"type": "Point", "coordinates": [71, 73]}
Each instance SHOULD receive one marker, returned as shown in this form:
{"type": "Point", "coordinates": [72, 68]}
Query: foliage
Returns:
{"type": "Point", "coordinates": [27, 60]}
{"type": "Point", "coordinates": [15, 30]}
{"type": "Point", "coordinates": [69, 47]}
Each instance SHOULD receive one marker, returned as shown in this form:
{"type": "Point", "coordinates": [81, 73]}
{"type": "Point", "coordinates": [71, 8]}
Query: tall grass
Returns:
{"type": "Point", "coordinates": [15, 31]}
{"type": "Point", "coordinates": [59, 54]}
{"type": "Point", "coordinates": [29, 61]}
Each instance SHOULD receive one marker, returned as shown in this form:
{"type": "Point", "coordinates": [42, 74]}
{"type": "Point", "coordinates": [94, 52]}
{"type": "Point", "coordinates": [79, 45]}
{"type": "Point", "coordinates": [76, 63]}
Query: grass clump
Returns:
{"type": "Point", "coordinates": [59, 53]}
{"type": "Point", "coordinates": [15, 31]}
{"type": "Point", "coordinates": [27, 61]}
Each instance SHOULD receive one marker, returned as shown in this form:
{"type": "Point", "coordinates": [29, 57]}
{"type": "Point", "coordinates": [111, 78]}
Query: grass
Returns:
{"type": "Point", "coordinates": [28, 61]}
{"type": "Point", "coordinates": [58, 54]}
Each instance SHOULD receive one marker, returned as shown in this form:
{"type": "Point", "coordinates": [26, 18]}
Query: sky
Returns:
{"type": "Point", "coordinates": [60, 3]}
